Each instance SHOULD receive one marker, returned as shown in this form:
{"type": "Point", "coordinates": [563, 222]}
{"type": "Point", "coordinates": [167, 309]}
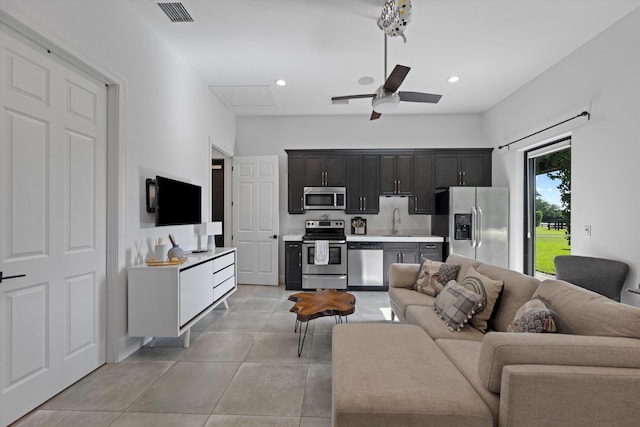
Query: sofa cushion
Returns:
{"type": "Point", "coordinates": [534, 316]}
{"type": "Point", "coordinates": [587, 313]}
{"type": "Point", "coordinates": [428, 319]}
{"type": "Point", "coordinates": [465, 354]}
{"type": "Point", "coordinates": [433, 276]}
{"type": "Point", "coordinates": [456, 305]}
{"type": "Point", "coordinates": [464, 264]}
{"type": "Point", "coordinates": [500, 349]}
{"type": "Point", "coordinates": [489, 289]}
{"type": "Point", "coordinates": [395, 375]}
{"type": "Point", "coordinates": [403, 275]}
{"type": "Point", "coordinates": [518, 289]}
{"type": "Point", "coordinates": [401, 298]}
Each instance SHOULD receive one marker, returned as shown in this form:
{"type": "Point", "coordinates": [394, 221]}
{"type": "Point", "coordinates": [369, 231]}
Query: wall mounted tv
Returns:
{"type": "Point", "coordinates": [177, 202]}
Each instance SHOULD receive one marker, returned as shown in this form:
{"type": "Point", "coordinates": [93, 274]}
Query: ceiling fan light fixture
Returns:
{"type": "Point", "coordinates": [385, 104]}
{"type": "Point", "coordinates": [453, 79]}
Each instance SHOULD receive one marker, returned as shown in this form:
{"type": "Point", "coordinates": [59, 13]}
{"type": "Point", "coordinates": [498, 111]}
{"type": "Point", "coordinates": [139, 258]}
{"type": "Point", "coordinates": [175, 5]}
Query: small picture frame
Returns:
{"type": "Point", "coordinates": [151, 195]}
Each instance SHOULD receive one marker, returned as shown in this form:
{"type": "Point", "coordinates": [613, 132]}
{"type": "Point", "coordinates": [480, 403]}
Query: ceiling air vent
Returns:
{"type": "Point", "coordinates": [176, 12]}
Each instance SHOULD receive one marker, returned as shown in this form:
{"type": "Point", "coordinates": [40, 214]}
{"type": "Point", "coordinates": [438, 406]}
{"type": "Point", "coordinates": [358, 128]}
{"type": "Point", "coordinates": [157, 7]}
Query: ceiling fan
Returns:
{"type": "Point", "coordinates": [387, 96]}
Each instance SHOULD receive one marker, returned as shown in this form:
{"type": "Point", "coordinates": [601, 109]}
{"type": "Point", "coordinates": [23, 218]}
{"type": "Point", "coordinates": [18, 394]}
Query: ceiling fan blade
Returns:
{"type": "Point", "coordinates": [345, 99]}
{"type": "Point", "coordinates": [430, 98]}
{"type": "Point", "coordinates": [396, 78]}
{"type": "Point", "coordinates": [375, 115]}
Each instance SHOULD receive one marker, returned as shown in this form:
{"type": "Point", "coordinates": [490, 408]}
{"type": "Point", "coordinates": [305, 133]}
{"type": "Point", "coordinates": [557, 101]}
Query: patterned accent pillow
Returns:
{"type": "Point", "coordinates": [489, 290]}
{"type": "Point", "coordinates": [434, 275]}
{"type": "Point", "coordinates": [534, 316]}
{"type": "Point", "coordinates": [456, 305]}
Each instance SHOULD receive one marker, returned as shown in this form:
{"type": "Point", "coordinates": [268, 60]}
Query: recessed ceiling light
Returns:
{"type": "Point", "coordinates": [366, 80]}
{"type": "Point", "coordinates": [453, 79]}
{"type": "Point", "coordinates": [281, 82]}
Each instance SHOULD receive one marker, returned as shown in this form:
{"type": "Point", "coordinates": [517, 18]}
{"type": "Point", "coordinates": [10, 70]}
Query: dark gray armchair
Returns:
{"type": "Point", "coordinates": [604, 276]}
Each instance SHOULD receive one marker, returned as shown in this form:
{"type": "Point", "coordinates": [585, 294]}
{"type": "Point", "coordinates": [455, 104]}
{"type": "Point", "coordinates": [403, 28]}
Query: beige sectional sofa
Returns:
{"type": "Point", "coordinates": [420, 373]}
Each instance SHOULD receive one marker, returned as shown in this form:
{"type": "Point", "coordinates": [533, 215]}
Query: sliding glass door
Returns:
{"type": "Point", "coordinates": [547, 207]}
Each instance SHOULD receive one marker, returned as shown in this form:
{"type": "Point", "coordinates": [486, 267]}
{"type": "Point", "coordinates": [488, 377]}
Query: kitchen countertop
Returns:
{"type": "Point", "coordinates": [424, 238]}
{"type": "Point", "coordinates": [418, 238]}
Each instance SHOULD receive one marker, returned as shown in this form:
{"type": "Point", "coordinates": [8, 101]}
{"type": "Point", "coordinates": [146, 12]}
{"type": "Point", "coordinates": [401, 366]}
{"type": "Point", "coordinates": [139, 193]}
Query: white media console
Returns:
{"type": "Point", "coordinates": [165, 301]}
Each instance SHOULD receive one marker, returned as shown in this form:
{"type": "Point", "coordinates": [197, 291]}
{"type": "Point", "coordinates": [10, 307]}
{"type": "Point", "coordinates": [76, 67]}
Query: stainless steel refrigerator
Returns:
{"type": "Point", "coordinates": [475, 223]}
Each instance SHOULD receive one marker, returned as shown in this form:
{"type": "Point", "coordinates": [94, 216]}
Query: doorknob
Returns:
{"type": "Point", "coordinates": [10, 277]}
{"type": "Point", "coordinates": [275, 236]}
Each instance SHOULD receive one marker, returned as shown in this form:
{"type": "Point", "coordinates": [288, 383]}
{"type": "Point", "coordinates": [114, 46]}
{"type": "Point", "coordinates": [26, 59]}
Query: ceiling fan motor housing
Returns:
{"type": "Point", "coordinates": [384, 101]}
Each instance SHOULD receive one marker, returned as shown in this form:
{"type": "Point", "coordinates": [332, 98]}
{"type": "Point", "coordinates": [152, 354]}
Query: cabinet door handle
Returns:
{"type": "Point", "coordinates": [464, 178]}
{"type": "Point", "coordinates": [299, 259]}
{"type": "Point", "coordinates": [301, 203]}
{"type": "Point", "coordinates": [415, 203]}
{"type": "Point", "coordinates": [364, 203]}
{"type": "Point", "coordinates": [10, 277]}
{"type": "Point", "coordinates": [402, 257]}
{"type": "Point", "coordinates": [399, 189]}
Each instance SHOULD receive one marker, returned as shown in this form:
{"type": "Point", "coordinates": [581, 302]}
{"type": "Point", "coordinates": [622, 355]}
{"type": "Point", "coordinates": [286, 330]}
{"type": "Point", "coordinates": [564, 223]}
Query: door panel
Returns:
{"type": "Point", "coordinates": [52, 225]}
{"type": "Point", "coordinates": [256, 219]}
{"type": "Point", "coordinates": [462, 200]}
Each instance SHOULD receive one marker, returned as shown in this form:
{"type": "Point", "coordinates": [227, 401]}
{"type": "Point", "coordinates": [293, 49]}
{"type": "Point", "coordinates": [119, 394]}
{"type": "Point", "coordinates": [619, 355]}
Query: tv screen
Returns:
{"type": "Point", "coordinates": [177, 202]}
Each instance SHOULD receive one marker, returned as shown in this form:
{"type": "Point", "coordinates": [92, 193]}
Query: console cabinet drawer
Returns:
{"type": "Point", "coordinates": [223, 275]}
{"type": "Point", "coordinates": [224, 261]}
{"type": "Point", "coordinates": [224, 287]}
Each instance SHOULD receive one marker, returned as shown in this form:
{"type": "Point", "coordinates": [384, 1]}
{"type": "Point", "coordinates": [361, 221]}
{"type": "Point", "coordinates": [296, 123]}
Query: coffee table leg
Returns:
{"type": "Point", "coordinates": [301, 337]}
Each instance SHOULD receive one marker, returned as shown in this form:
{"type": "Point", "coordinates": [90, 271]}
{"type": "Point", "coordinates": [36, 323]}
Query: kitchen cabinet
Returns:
{"type": "Point", "coordinates": [165, 301]}
{"type": "Point", "coordinates": [432, 251]}
{"type": "Point", "coordinates": [398, 252]}
{"type": "Point", "coordinates": [296, 184]}
{"type": "Point", "coordinates": [363, 183]}
{"type": "Point", "coordinates": [293, 265]}
{"type": "Point", "coordinates": [423, 200]}
{"type": "Point", "coordinates": [457, 168]}
{"type": "Point", "coordinates": [396, 174]}
{"type": "Point", "coordinates": [325, 170]}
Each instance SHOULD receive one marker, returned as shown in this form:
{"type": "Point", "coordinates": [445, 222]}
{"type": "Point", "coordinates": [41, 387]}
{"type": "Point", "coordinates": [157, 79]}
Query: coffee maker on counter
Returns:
{"type": "Point", "coordinates": [358, 225]}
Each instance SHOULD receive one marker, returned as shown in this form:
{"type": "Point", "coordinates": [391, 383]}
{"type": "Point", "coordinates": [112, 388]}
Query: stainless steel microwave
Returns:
{"type": "Point", "coordinates": [325, 198]}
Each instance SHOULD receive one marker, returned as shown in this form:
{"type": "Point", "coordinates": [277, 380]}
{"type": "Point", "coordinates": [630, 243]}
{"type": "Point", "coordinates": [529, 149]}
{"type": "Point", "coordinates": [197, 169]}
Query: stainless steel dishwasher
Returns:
{"type": "Point", "coordinates": [364, 264]}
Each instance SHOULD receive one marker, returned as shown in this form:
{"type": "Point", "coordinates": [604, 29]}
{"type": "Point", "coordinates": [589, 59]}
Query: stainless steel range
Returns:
{"type": "Point", "coordinates": [324, 255]}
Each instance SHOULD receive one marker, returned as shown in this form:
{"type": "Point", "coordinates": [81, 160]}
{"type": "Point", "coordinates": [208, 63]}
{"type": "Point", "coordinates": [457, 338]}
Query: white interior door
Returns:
{"type": "Point", "coordinates": [256, 219]}
{"type": "Point", "coordinates": [52, 225]}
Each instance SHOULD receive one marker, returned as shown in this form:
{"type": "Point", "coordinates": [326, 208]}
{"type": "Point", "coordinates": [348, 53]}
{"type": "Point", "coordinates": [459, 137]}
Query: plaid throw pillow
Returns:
{"type": "Point", "coordinates": [534, 316]}
{"type": "Point", "coordinates": [434, 275]}
{"type": "Point", "coordinates": [489, 289]}
{"type": "Point", "coordinates": [456, 305]}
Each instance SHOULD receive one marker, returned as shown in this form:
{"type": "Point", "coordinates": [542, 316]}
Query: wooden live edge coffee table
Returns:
{"type": "Point", "coordinates": [321, 303]}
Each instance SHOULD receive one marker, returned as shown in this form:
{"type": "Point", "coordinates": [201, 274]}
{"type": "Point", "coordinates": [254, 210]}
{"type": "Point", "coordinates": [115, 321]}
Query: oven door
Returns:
{"type": "Point", "coordinates": [337, 258]}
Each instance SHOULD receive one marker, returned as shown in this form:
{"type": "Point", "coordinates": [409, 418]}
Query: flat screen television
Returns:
{"type": "Point", "coordinates": [177, 202]}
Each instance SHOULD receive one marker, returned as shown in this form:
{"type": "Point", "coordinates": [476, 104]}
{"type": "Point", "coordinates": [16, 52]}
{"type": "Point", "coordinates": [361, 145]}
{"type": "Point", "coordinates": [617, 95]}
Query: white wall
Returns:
{"type": "Point", "coordinates": [259, 136]}
{"type": "Point", "coordinates": [169, 122]}
{"type": "Point", "coordinates": [602, 77]}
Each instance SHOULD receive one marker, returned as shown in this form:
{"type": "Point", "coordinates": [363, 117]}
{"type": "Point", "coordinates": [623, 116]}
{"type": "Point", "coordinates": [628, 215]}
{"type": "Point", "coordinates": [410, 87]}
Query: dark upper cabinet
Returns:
{"type": "Point", "coordinates": [324, 170]}
{"type": "Point", "coordinates": [396, 174]}
{"type": "Point", "coordinates": [423, 200]}
{"type": "Point", "coordinates": [296, 183]}
{"type": "Point", "coordinates": [458, 168]}
{"type": "Point", "coordinates": [362, 181]}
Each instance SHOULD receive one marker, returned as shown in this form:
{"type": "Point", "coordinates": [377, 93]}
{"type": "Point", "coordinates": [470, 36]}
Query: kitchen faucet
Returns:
{"type": "Point", "coordinates": [396, 221]}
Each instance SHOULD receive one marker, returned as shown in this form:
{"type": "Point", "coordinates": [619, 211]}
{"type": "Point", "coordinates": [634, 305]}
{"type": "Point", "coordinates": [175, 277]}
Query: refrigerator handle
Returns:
{"type": "Point", "coordinates": [474, 227]}
{"type": "Point", "coordinates": [479, 227]}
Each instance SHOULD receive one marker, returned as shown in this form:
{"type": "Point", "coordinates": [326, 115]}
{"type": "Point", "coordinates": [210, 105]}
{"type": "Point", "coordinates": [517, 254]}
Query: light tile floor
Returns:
{"type": "Point", "coordinates": [241, 369]}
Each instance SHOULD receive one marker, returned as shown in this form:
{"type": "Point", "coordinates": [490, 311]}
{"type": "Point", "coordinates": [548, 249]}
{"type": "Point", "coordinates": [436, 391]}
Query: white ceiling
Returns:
{"type": "Point", "coordinates": [322, 47]}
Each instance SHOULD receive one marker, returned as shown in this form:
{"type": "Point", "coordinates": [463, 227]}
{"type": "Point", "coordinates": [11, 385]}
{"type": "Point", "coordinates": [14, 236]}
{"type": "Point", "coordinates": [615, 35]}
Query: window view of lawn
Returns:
{"type": "Point", "coordinates": [549, 244]}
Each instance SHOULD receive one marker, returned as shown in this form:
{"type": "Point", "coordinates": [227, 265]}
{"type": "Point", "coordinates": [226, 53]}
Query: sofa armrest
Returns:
{"type": "Point", "coordinates": [500, 349]}
{"type": "Point", "coordinates": [403, 275]}
{"type": "Point", "coordinates": [551, 395]}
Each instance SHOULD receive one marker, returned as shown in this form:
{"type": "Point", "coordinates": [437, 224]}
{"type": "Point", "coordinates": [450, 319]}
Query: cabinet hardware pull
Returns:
{"type": "Point", "coordinates": [10, 277]}
{"type": "Point", "coordinates": [364, 203]}
{"type": "Point", "coordinates": [399, 190]}
{"type": "Point", "coordinates": [415, 203]}
{"type": "Point", "coordinates": [464, 178]}
{"type": "Point", "coordinates": [299, 259]}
